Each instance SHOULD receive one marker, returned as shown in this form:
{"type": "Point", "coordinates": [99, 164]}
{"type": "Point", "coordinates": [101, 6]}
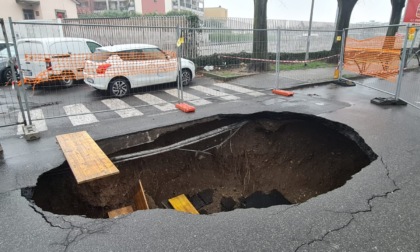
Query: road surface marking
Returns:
{"type": "Point", "coordinates": [74, 112]}
{"type": "Point", "coordinates": [239, 89]}
{"type": "Point", "coordinates": [38, 120]}
{"type": "Point", "coordinates": [188, 97]}
{"type": "Point", "coordinates": [212, 92]}
{"type": "Point", "coordinates": [156, 102]}
{"type": "Point", "coordinates": [121, 108]}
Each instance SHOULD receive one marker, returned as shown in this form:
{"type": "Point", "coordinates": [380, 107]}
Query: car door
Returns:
{"type": "Point", "coordinates": [138, 68]}
{"type": "Point", "coordinates": [165, 66]}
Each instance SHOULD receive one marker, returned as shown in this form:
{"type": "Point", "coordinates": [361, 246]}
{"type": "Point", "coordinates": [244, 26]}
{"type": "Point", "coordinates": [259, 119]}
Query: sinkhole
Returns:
{"type": "Point", "coordinates": [220, 163]}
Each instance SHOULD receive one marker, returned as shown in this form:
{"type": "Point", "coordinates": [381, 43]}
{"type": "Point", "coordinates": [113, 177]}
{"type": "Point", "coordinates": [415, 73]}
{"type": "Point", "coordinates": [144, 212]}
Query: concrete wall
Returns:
{"type": "Point", "coordinates": [44, 10]}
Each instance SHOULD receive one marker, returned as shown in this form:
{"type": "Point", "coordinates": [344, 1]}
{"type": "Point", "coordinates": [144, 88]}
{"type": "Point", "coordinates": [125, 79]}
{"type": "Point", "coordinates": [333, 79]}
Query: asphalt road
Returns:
{"type": "Point", "coordinates": [377, 210]}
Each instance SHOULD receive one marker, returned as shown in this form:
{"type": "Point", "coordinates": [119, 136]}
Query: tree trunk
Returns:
{"type": "Point", "coordinates": [397, 7]}
{"type": "Point", "coordinates": [260, 43]}
{"type": "Point", "coordinates": [345, 8]}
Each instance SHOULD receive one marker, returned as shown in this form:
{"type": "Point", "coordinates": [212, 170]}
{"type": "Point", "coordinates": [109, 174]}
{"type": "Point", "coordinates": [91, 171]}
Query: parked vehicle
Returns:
{"type": "Point", "coordinates": [120, 68]}
{"type": "Point", "coordinates": [5, 70]}
{"type": "Point", "coordinates": [51, 59]}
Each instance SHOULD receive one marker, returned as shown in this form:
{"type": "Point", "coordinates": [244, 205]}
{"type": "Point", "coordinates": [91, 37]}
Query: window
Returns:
{"type": "Point", "coordinates": [28, 14]}
{"type": "Point", "coordinates": [60, 14]}
{"type": "Point", "coordinates": [153, 54]}
{"type": "Point", "coordinates": [92, 46]}
{"type": "Point", "coordinates": [130, 55]}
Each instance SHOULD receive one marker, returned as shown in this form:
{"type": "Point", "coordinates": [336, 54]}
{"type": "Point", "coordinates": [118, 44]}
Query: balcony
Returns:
{"type": "Point", "coordinates": [33, 2]}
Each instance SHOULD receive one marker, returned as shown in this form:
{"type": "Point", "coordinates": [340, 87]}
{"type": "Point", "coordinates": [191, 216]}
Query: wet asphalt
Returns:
{"type": "Point", "coordinates": [377, 210]}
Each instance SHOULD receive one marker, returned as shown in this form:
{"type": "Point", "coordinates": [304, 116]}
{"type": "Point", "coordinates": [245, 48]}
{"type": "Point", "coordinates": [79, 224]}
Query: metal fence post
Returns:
{"type": "Point", "coordinates": [178, 57]}
{"type": "Point", "coordinates": [20, 72]}
{"type": "Point", "coordinates": [278, 59]}
{"type": "Point", "coordinates": [402, 64]}
{"type": "Point", "coordinates": [12, 66]}
{"type": "Point", "coordinates": [341, 62]}
{"type": "Point", "coordinates": [308, 41]}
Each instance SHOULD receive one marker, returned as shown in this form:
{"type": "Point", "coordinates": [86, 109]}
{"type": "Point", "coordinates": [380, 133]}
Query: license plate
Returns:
{"type": "Point", "coordinates": [27, 72]}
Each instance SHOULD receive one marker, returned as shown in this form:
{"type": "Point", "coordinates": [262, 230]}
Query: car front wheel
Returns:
{"type": "Point", "coordinates": [119, 87]}
{"type": "Point", "coordinates": [7, 75]}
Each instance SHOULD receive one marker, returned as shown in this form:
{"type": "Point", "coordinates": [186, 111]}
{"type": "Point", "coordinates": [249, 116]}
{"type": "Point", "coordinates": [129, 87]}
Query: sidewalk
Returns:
{"type": "Point", "coordinates": [376, 210]}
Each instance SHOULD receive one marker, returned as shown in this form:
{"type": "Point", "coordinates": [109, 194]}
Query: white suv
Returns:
{"type": "Point", "coordinates": [120, 68]}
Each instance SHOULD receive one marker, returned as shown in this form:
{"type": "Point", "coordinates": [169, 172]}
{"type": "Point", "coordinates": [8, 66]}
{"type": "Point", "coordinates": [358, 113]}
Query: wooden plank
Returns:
{"type": "Point", "coordinates": [182, 204]}
{"type": "Point", "coordinates": [120, 212]}
{"type": "Point", "coordinates": [87, 161]}
{"type": "Point", "coordinates": [140, 202]}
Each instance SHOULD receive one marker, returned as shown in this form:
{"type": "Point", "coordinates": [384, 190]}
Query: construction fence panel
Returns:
{"type": "Point", "coordinates": [410, 86]}
{"type": "Point", "coordinates": [321, 61]}
{"type": "Point", "coordinates": [226, 64]}
{"type": "Point", "coordinates": [372, 58]}
{"type": "Point", "coordinates": [66, 77]}
{"type": "Point", "coordinates": [10, 99]}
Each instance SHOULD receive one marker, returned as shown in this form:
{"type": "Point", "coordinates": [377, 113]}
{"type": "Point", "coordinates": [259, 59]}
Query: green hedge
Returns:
{"type": "Point", "coordinates": [216, 60]}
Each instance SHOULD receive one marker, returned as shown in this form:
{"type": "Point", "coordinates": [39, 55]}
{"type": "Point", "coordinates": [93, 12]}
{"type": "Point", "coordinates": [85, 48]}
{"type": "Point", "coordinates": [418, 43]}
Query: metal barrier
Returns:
{"type": "Point", "coordinates": [67, 77]}
{"type": "Point", "coordinates": [388, 63]}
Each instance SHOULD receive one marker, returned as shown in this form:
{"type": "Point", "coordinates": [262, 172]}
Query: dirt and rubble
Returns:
{"type": "Point", "coordinates": [268, 161]}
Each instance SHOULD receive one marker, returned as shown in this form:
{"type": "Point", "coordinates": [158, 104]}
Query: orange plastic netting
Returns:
{"type": "Point", "coordinates": [77, 66]}
{"type": "Point", "coordinates": [378, 57]}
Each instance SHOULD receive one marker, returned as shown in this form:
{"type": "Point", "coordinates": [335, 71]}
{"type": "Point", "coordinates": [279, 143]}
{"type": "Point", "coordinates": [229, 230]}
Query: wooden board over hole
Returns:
{"type": "Point", "coordinates": [140, 202]}
{"type": "Point", "coordinates": [87, 161]}
{"type": "Point", "coordinates": [182, 204]}
{"type": "Point", "coordinates": [120, 212]}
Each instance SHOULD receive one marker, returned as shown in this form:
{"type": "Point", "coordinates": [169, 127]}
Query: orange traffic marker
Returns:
{"type": "Point", "coordinates": [283, 92]}
{"type": "Point", "coordinates": [185, 107]}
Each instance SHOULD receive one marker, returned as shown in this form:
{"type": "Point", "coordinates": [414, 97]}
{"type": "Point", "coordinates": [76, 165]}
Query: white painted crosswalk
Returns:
{"type": "Point", "coordinates": [195, 100]}
{"type": "Point", "coordinates": [121, 108]}
{"type": "Point", "coordinates": [239, 89]}
{"type": "Point", "coordinates": [212, 92]}
{"type": "Point", "coordinates": [156, 102]}
{"type": "Point", "coordinates": [79, 114]}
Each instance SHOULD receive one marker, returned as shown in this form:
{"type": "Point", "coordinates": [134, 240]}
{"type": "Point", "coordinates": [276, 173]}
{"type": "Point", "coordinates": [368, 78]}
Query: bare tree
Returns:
{"type": "Point", "coordinates": [260, 43]}
{"type": "Point", "coordinates": [397, 7]}
{"type": "Point", "coordinates": [345, 8]}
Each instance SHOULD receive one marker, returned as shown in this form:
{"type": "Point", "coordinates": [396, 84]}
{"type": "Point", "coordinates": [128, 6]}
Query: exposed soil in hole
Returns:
{"type": "Point", "coordinates": [272, 159]}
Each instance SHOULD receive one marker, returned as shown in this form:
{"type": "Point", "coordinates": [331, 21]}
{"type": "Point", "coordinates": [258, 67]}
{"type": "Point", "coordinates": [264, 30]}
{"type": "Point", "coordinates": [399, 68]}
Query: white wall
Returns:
{"type": "Point", "coordinates": [168, 5]}
{"type": "Point", "coordinates": [139, 6]}
{"type": "Point", "coordinates": [48, 7]}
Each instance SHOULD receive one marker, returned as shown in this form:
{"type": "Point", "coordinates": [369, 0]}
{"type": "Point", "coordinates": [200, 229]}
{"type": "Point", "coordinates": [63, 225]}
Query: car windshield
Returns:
{"type": "Point", "coordinates": [3, 53]}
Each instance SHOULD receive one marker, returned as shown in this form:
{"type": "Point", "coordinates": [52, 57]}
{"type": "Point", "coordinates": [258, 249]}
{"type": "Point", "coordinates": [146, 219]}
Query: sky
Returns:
{"type": "Point", "coordinates": [324, 10]}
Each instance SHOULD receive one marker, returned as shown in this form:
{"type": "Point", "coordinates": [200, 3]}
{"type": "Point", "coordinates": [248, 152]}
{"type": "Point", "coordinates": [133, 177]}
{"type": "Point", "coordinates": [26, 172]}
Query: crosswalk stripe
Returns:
{"type": "Point", "coordinates": [188, 97]}
{"type": "Point", "coordinates": [37, 117]}
{"type": "Point", "coordinates": [121, 108]}
{"type": "Point", "coordinates": [213, 92]}
{"type": "Point", "coordinates": [74, 112]}
{"type": "Point", "coordinates": [239, 89]}
{"type": "Point", "coordinates": [156, 102]}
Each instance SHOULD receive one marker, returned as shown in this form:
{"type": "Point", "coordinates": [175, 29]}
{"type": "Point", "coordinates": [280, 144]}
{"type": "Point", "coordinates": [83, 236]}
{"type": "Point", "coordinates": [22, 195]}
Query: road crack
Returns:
{"type": "Point", "coordinates": [354, 213]}
{"type": "Point", "coordinates": [75, 232]}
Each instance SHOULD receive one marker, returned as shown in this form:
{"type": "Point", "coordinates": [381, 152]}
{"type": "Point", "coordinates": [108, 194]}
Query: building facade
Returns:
{"type": "Point", "coordinates": [38, 9]}
{"type": "Point", "coordinates": [216, 12]}
{"type": "Point", "coordinates": [141, 6]}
